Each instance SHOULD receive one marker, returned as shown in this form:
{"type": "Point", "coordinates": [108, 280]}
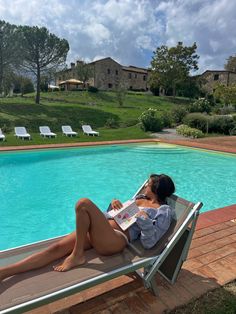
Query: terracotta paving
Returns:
{"type": "Point", "coordinates": [211, 261]}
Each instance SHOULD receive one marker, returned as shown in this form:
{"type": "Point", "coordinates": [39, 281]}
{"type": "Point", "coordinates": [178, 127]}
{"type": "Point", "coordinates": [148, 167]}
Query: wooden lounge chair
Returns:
{"type": "Point", "coordinates": [89, 131]}
{"type": "Point", "coordinates": [2, 136]}
{"type": "Point", "coordinates": [29, 290]}
{"type": "Point", "coordinates": [46, 132]}
{"type": "Point", "coordinates": [20, 132]}
{"type": "Point", "coordinates": [67, 130]}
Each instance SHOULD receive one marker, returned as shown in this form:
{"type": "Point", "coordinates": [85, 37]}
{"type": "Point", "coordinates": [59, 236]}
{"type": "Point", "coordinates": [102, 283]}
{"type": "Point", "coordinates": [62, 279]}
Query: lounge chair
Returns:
{"type": "Point", "coordinates": [2, 136]}
{"type": "Point", "coordinates": [46, 132]}
{"type": "Point", "coordinates": [89, 131]}
{"type": "Point", "coordinates": [35, 288]}
{"type": "Point", "coordinates": [67, 130]}
{"type": "Point", "coordinates": [20, 132]}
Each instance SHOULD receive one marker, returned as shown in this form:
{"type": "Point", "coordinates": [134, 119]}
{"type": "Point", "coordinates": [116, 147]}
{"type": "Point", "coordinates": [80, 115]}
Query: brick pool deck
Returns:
{"type": "Point", "coordinates": [211, 261]}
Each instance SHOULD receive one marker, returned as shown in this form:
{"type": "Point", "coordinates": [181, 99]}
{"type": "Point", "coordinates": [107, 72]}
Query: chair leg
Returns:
{"type": "Point", "coordinates": [152, 286]}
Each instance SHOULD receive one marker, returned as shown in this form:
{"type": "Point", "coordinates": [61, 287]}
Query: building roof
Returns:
{"type": "Point", "coordinates": [219, 71]}
{"type": "Point", "coordinates": [134, 69]}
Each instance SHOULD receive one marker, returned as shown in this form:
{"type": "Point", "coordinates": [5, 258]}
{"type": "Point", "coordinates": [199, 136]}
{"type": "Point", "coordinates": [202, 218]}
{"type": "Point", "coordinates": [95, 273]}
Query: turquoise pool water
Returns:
{"type": "Point", "coordinates": [39, 188]}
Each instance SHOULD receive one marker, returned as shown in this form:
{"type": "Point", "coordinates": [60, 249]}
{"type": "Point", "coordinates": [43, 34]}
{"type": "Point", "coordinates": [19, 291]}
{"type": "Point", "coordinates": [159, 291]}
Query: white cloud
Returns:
{"type": "Point", "coordinates": [130, 30]}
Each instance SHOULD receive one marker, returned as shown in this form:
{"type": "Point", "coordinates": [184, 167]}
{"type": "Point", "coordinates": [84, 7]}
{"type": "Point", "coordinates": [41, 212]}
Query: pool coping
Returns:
{"type": "Point", "coordinates": [188, 143]}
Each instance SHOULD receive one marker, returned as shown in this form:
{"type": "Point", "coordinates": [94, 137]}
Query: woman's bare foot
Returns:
{"type": "Point", "coordinates": [70, 262]}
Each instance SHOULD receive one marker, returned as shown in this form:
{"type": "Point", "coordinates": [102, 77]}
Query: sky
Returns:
{"type": "Point", "coordinates": [129, 31]}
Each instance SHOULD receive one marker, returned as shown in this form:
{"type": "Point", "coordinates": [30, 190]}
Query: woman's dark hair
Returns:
{"type": "Point", "coordinates": [162, 186]}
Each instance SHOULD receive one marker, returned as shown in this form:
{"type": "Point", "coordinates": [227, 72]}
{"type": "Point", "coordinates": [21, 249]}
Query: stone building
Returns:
{"type": "Point", "coordinates": [107, 74]}
{"type": "Point", "coordinates": [211, 78]}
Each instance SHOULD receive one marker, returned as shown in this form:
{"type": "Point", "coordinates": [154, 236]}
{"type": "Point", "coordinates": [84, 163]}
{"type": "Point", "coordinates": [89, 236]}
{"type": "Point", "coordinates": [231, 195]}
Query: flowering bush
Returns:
{"type": "Point", "coordinates": [150, 122]}
{"type": "Point", "coordinates": [200, 105]}
{"type": "Point", "coordinates": [189, 132]}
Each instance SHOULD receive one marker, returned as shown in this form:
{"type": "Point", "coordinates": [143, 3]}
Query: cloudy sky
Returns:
{"type": "Point", "coordinates": [130, 30]}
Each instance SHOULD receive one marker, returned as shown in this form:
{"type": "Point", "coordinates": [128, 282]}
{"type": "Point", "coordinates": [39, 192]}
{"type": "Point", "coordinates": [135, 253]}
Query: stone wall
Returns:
{"type": "Point", "coordinates": [212, 78]}
{"type": "Point", "coordinates": [107, 74]}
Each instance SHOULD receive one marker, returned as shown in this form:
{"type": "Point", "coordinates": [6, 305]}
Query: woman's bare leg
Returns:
{"type": "Point", "coordinates": [40, 259]}
{"type": "Point", "coordinates": [89, 219]}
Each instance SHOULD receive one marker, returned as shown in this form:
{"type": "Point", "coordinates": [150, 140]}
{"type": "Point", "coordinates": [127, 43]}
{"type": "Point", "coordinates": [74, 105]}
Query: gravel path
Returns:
{"type": "Point", "coordinates": [169, 134]}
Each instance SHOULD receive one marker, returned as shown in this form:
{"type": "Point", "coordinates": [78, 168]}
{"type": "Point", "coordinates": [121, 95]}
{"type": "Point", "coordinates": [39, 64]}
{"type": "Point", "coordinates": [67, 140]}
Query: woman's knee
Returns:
{"type": "Point", "coordinates": [83, 204]}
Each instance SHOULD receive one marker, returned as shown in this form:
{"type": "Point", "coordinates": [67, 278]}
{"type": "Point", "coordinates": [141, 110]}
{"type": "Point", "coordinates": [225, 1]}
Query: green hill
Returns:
{"type": "Point", "coordinates": [75, 108]}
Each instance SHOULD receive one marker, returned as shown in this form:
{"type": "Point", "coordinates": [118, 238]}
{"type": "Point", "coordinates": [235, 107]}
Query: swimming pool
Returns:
{"type": "Point", "coordinates": [39, 188]}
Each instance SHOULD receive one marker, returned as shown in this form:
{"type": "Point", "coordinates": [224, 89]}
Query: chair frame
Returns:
{"type": "Point", "coordinates": [46, 134]}
{"type": "Point", "coordinates": [151, 265]}
{"type": "Point", "coordinates": [91, 132]}
{"type": "Point", "coordinates": [68, 133]}
{"type": "Point", "coordinates": [22, 136]}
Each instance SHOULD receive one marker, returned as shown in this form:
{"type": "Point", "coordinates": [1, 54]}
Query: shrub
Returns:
{"type": "Point", "coordinates": [221, 124]}
{"type": "Point", "coordinates": [197, 120]}
{"type": "Point", "coordinates": [226, 110]}
{"type": "Point", "coordinates": [233, 131]}
{"type": "Point", "coordinates": [167, 119]}
{"type": "Point", "coordinates": [189, 132]}
{"type": "Point", "coordinates": [112, 123]}
{"type": "Point", "coordinates": [129, 122]}
{"type": "Point", "coordinates": [150, 122]}
{"type": "Point", "coordinates": [178, 113]}
{"type": "Point", "coordinates": [200, 105]}
{"type": "Point", "coordinates": [92, 89]}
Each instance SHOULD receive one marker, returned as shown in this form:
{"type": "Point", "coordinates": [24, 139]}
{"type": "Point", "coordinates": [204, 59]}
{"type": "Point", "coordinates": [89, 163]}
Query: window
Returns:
{"type": "Point", "coordinates": [216, 77]}
{"type": "Point", "coordinates": [131, 87]}
{"type": "Point", "coordinates": [144, 77]}
{"type": "Point", "coordinates": [59, 78]}
{"type": "Point", "coordinates": [117, 72]}
{"type": "Point", "coordinates": [109, 85]}
{"type": "Point", "coordinates": [135, 75]}
{"type": "Point", "coordinates": [108, 71]}
{"type": "Point", "coordinates": [130, 75]}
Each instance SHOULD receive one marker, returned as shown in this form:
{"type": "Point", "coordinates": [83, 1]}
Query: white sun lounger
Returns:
{"type": "Point", "coordinates": [46, 132]}
{"type": "Point", "coordinates": [20, 132]}
{"type": "Point", "coordinates": [67, 130]}
{"type": "Point", "coordinates": [29, 290]}
{"type": "Point", "coordinates": [89, 131]}
{"type": "Point", "coordinates": [2, 136]}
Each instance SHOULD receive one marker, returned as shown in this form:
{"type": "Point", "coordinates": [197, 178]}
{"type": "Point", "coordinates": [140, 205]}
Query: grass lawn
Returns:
{"type": "Point", "coordinates": [219, 301]}
{"type": "Point", "coordinates": [76, 108]}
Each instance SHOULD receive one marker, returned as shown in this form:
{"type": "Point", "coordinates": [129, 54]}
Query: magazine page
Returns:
{"type": "Point", "coordinates": [114, 212]}
{"type": "Point", "coordinates": [126, 217]}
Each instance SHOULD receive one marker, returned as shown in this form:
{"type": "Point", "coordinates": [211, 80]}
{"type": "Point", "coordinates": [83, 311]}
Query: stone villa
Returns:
{"type": "Point", "coordinates": [107, 75]}
{"type": "Point", "coordinates": [211, 78]}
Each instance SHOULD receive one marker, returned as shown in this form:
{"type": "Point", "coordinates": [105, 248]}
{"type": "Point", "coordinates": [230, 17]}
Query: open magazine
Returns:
{"type": "Point", "coordinates": [125, 216]}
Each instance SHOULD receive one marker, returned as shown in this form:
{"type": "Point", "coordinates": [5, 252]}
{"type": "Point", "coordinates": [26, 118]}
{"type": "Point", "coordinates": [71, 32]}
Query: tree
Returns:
{"type": "Point", "coordinates": [22, 84]}
{"type": "Point", "coordinates": [121, 91]}
{"type": "Point", "coordinates": [227, 94]}
{"type": "Point", "coordinates": [171, 66]}
{"type": "Point", "coordinates": [9, 53]}
{"type": "Point", "coordinates": [43, 52]}
{"type": "Point", "coordinates": [84, 71]}
{"type": "Point", "coordinates": [231, 64]}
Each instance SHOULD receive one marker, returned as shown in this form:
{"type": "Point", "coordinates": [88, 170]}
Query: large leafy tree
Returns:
{"type": "Point", "coordinates": [231, 64]}
{"type": "Point", "coordinates": [84, 71]}
{"type": "Point", "coordinates": [43, 52]}
{"type": "Point", "coordinates": [172, 66]}
{"type": "Point", "coordinates": [10, 53]}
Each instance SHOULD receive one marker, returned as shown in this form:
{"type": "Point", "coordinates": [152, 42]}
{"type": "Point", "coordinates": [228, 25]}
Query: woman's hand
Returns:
{"type": "Point", "coordinates": [116, 204]}
{"type": "Point", "coordinates": [142, 213]}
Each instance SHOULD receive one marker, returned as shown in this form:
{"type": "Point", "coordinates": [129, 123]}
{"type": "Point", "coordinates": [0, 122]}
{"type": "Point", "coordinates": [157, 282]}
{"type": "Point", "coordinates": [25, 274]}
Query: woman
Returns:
{"type": "Point", "coordinates": [94, 229]}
